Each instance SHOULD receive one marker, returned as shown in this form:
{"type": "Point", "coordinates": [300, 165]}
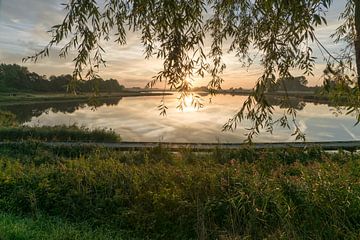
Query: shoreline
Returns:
{"type": "Point", "coordinates": [31, 98]}
{"type": "Point", "coordinates": [8, 99]}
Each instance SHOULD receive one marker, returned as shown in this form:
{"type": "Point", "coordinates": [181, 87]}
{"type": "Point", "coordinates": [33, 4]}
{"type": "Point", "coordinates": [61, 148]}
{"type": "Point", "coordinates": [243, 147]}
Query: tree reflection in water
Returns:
{"type": "Point", "coordinates": [25, 112]}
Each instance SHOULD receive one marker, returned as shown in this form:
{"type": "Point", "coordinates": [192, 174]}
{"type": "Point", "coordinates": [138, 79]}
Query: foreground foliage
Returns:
{"type": "Point", "coordinates": [284, 194]}
{"type": "Point", "coordinates": [14, 227]}
{"type": "Point", "coordinates": [57, 133]}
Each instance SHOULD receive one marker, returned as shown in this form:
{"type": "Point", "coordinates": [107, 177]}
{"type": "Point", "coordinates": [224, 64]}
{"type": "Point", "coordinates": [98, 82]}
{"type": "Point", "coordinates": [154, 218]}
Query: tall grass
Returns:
{"type": "Point", "coordinates": [244, 194]}
{"type": "Point", "coordinates": [57, 133]}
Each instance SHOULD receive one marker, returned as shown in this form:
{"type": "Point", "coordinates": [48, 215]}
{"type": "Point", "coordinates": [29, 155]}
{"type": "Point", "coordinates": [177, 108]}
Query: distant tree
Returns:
{"type": "Point", "coordinates": [38, 83]}
{"type": "Point", "coordinates": [14, 77]}
{"type": "Point", "coordinates": [200, 89]}
{"type": "Point", "coordinates": [99, 85]}
{"type": "Point", "coordinates": [175, 31]}
{"type": "Point", "coordinates": [290, 84]}
{"type": "Point", "coordinates": [60, 83]}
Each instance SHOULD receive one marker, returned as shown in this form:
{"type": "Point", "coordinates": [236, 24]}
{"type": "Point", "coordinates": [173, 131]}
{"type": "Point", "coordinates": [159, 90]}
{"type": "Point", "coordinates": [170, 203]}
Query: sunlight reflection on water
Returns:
{"type": "Point", "coordinates": [137, 119]}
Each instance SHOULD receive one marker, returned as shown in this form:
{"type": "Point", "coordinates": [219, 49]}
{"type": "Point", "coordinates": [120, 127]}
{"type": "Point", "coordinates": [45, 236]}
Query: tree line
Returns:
{"type": "Point", "coordinates": [15, 78]}
{"type": "Point", "coordinates": [289, 84]}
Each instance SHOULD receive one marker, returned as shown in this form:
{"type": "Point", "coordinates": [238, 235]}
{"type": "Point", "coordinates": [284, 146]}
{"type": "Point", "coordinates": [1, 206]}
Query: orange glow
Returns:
{"type": "Point", "coordinates": [188, 105]}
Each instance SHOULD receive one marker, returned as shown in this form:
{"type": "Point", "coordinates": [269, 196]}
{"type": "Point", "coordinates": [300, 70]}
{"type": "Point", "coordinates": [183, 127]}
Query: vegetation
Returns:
{"type": "Point", "coordinates": [292, 84]}
{"type": "Point", "coordinates": [59, 98]}
{"type": "Point", "coordinates": [7, 119]}
{"type": "Point", "coordinates": [15, 78]}
{"type": "Point", "coordinates": [155, 194]}
{"type": "Point", "coordinates": [15, 227]}
{"type": "Point", "coordinates": [10, 130]}
{"type": "Point", "coordinates": [57, 133]}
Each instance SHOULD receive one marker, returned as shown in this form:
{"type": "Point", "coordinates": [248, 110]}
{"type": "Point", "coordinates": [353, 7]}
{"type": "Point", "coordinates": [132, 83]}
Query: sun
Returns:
{"type": "Point", "coordinates": [189, 104]}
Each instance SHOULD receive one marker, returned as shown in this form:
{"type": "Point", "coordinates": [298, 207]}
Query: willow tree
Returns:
{"type": "Point", "coordinates": [176, 31]}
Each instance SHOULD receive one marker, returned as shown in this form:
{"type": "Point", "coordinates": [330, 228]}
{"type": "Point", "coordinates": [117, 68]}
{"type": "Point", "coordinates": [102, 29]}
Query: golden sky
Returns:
{"type": "Point", "coordinates": [24, 25]}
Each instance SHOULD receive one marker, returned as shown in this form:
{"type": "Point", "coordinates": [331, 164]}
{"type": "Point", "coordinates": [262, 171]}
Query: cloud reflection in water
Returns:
{"type": "Point", "coordinates": [137, 119]}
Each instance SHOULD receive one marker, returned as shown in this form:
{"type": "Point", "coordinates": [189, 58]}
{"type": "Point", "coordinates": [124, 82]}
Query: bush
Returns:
{"type": "Point", "coordinates": [279, 196]}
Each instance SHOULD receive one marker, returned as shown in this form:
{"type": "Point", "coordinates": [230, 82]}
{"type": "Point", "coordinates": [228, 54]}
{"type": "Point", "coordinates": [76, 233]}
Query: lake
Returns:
{"type": "Point", "coordinates": [138, 119]}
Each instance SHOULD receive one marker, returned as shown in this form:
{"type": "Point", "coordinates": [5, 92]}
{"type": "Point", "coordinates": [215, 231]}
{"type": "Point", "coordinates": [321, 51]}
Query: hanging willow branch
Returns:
{"type": "Point", "coordinates": [176, 32]}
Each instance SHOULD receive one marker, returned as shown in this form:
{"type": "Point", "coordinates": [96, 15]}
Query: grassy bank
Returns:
{"type": "Point", "coordinates": [243, 194]}
{"type": "Point", "coordinates": [23, 98]}
{"type": "Point", "coordinates": [58, 133]}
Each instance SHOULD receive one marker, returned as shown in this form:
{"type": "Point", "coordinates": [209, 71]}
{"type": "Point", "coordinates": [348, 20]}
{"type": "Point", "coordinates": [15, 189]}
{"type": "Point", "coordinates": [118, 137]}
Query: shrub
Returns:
{"type": "Point", "coordinates": [274, 197]}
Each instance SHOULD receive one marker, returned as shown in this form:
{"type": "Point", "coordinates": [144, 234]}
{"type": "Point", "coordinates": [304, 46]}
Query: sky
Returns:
{"type": "Point", "coordinates": [23, 31]}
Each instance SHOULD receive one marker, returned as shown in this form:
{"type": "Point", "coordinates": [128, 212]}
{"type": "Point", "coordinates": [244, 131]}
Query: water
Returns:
{"type": "Point", "coordinates": [137, 119]}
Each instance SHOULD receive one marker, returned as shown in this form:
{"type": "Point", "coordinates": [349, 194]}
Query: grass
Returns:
{"type": "Point", "coordinates": [24, 97]}
{"type": "Point", "coordinates": [58, 133]}
{"type": "Point", "coordinates": [10, 130]}
{"type": "Point", "coordinates": [44, 228]}
{"type": "Point", "coordinates": [156, 194]}
{"type": "Point", "coordinates": [17, 98]}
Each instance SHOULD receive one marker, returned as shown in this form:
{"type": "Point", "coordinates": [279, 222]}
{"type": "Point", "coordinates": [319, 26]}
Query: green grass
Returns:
{"type": "Point", "coordinates": [10, 130]}
{"type": "Point", "coordinates": [44, 228]}
{"type": "Point", "coordinates": [58, 133]}
{"type": "Point", "coordinates": [17, 98]}
{"type": "Point", "coordinates": [243, 194]}
{"type": "Point", "coordinates": [25, 97]}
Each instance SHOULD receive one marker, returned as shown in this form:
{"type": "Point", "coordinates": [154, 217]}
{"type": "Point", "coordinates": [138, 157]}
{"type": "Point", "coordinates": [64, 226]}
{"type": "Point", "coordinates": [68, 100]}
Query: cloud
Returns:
{"type": "Point", "coordinates": [24, 25]}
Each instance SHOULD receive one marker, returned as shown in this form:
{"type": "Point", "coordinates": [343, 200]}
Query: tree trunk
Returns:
{"type": "Point", "coordinates": [357, 40]}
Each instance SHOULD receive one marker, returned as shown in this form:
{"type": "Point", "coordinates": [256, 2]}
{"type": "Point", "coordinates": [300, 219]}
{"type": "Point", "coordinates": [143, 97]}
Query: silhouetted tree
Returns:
{"type": "Point", "coordinates": [17, 78]}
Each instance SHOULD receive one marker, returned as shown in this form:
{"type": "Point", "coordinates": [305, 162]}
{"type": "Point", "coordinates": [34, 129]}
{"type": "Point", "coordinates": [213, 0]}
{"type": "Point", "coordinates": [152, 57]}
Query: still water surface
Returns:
{"type": "Point", "coordinates": [137, 119]}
